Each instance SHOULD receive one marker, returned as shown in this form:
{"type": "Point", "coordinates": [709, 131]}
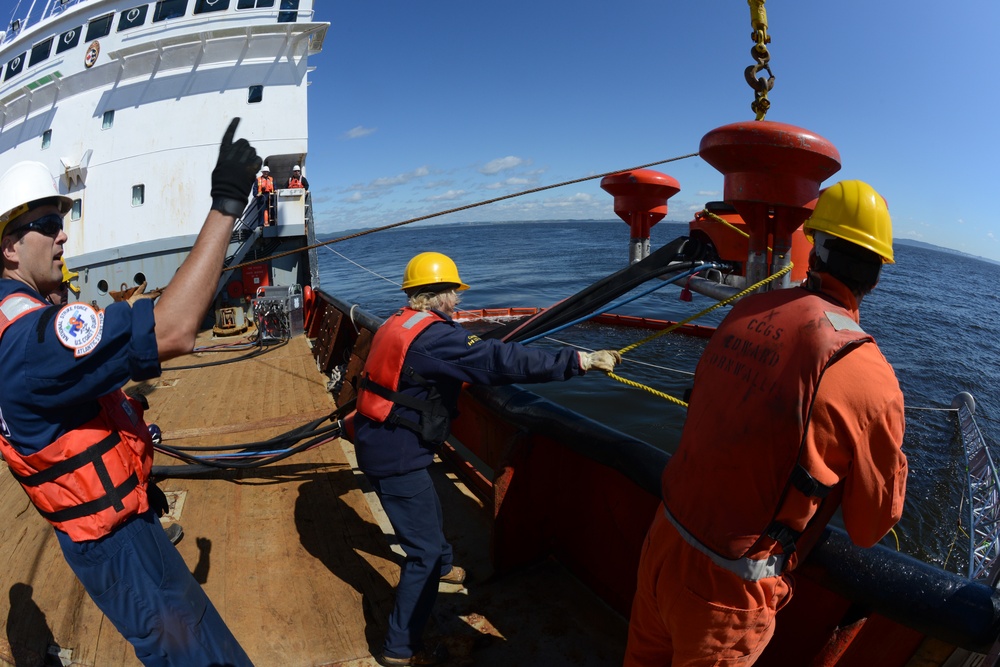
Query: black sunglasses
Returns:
{"type": "Point", "coordinates": [49, 225]}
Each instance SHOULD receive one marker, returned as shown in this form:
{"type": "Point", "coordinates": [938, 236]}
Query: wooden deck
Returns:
{"type": "Point", "coordinates": [297, 556]}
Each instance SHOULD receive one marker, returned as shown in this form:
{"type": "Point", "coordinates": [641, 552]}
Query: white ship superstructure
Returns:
{"type": "Point", "coordinates": [126, 103]}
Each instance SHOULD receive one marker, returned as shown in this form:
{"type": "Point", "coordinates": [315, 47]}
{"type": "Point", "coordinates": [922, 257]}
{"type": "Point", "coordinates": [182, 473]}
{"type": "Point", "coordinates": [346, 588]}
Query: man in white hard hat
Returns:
{"type": "Point", "coordinates": [75, 441]}
{"type": "Point", "coordinates": [297, 180]}
{"type": "Point", "coordinates": [263, 190]}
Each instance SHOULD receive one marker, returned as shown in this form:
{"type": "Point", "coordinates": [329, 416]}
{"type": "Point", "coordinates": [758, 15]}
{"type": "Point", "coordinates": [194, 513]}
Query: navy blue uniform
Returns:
{"type": "Point", "coordinates": [395, 459]}
{"type": "Point", "coordinates": [134, 574]}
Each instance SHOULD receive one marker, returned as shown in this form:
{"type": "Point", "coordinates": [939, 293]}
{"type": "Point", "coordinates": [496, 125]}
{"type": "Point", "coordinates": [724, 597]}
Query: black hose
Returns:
{"type": "Point", "coordinates": [591, 298]}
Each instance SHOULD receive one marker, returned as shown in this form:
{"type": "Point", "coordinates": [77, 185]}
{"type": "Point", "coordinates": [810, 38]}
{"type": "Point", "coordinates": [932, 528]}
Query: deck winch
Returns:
{"type": "Point", "coordinates": [641, 201]}
{"type": "Point", "coordinates": [772, 176]}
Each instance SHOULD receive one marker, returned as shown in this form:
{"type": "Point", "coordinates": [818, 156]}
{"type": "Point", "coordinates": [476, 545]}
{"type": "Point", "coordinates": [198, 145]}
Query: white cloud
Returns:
{"type": "Point", "coordinates": [512, 182]}
{"type": "Point", "coordinates": [451, 195]}
{"type": "Point", "coordinates": [387, 182]}
{"type": "Point", "coordinates": [500, 164]}
{"type": "Point", "coordinates": [358, 132]}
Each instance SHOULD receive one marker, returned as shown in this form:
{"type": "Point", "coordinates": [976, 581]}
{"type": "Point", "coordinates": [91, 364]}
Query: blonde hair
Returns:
{"type": "Point", "coordinates": [444, 301]}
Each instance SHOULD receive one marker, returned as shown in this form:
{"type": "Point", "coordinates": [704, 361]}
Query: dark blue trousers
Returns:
{"type": "Point", "coordinates": [414, 509]}
{"type": "Point", "coordinates": [141, 583]}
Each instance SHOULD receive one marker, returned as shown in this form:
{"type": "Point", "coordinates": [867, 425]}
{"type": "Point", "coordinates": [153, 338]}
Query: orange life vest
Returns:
{"type": "Point", "coordinates": [378, 390]}
{"type": "Point", "coordinates": [295, 183]}
{"type": "Point", "coordinates": [93, 478]}
{"type": "Point", "coordinates": [265, 184]}
{"type": "Point", "coordinates": [726, 487]}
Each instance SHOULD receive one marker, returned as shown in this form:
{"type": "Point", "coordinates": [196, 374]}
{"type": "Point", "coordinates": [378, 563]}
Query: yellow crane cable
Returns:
{"type": "Point", "coordinates": [760, 85]}
{"type": "Point", "coordinates": [675, 325]}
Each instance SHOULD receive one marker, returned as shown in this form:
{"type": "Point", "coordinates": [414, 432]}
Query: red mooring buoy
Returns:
{"type": "Point", "coordinates": [772, 176]}
{"type": "Point", "coordinates": [641, 201]}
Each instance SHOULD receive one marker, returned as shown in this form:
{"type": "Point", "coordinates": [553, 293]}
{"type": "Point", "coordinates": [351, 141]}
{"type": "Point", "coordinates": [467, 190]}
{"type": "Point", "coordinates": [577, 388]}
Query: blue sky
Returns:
{"type": "Point", "coordinates": [418, 107]}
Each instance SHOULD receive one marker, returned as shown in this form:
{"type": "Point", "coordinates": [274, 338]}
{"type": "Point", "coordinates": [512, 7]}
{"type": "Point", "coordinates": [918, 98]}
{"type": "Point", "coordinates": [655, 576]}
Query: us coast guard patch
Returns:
{"type": "Point", "coordinates": [79, 327]}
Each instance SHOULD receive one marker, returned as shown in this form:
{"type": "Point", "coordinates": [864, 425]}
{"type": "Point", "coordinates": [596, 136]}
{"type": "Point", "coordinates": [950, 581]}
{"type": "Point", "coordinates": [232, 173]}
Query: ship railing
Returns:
{"type": "Point", "coordinates": [983, 494]}
{"type": "Point", "coordinates": [52, 8]}
{"type": "Point", "coordinates": [19, 24]}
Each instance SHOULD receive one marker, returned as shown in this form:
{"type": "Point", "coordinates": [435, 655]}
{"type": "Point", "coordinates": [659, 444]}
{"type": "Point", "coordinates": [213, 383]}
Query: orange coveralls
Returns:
{"type": "Point", "coordinates": [689, 610]}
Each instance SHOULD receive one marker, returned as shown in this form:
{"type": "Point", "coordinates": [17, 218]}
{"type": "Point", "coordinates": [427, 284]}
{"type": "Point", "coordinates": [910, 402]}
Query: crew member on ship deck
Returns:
{"type": "Point", "coordinates": [297, 180]}
{"type": "Point", "coordinates": [263, 191]}
{"type": "Point", "coordinates": [407, 397]}
{"type": "Point", "coordinates": [76, 443]}
{"type": "Point", "coordinates": [793, 413]}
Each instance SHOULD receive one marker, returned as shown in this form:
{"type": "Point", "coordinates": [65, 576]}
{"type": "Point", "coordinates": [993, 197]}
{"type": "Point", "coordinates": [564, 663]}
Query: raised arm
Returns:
{"type": "Point", "coordinates": [186, 299]}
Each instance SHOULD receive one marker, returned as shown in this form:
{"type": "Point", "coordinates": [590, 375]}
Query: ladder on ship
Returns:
{"type": "Point", "coordinates": [248, 229]}
{"type": "Point", "coordinates": [983, 493]}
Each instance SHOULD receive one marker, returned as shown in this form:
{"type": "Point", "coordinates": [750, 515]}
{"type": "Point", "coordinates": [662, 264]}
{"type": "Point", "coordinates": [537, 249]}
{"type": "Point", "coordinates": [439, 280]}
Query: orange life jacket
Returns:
{"type": "Point", "coordinates": [378, 390]}
{"type": "Point", "coordinates": [265, 184]}
{"type": "Point", "coordinates": [93, 478]}
{"type": "Point", "coordinates": [295, 183]}
{"type": "Point", "coordinates": [727, 485]}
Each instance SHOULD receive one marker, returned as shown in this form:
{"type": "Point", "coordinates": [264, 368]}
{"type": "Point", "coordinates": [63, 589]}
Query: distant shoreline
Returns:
{"type": "Point", "coordinates": [909, 242]}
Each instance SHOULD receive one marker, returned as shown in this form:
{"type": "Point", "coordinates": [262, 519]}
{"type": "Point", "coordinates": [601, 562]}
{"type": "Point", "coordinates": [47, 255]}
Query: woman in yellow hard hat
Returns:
{"type": "Point", "coordinates": [408, 395]}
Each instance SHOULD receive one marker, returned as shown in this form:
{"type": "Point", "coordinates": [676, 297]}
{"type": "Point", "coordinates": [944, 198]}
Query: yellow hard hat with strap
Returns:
{"type": "Point", "coordinates": [855, 212]}
{"type": "Point", "coordinates": [432, 268]}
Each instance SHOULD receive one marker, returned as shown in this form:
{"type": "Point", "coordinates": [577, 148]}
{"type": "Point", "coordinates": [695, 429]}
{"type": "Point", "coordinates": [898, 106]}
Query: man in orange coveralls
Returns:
{"type": "Point", "coordinates": [794, 411]}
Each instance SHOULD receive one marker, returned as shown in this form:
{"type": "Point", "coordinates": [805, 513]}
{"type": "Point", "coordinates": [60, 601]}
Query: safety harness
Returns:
{"type": "Point", "coordinates": [93, 478]}
{"type": "Point", "coordinates": [379, 384]}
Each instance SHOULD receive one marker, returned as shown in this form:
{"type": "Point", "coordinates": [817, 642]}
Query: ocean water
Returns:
{"type": "Point", "coordinates": [935, 316]}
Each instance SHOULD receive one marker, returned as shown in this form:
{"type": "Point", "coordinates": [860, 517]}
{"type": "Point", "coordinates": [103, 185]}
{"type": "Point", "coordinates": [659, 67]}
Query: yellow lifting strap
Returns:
{"type": "Point", "coordinates": [672, 327]}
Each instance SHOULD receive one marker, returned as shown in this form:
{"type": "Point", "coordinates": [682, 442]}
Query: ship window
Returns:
{"type": "Point", "coordinates": [204, 6]}
{"type": "Point", "coordinates": [250, 4]}
{"type": "Point", "coordinates": [132, 18]}
{"type": "Point", "coordinates": [100, 27]}
{"type": "Point", "coordinates": [289, 11]}
{"type": "Point", "coordinates": [138, 195]}
{"type": "Point", "coordinates": [169, 9]}
{"type": "Point", "coordinates": [68, 40]}
{"type": "Point", "coordinates": [14, 66]}
{"type": "Point", "coordinates": [102, 286]}
{"type": "Point", "coordinates": [139, 278]}
{"type": "Point", "coordinates": [256, 95]}
{"type": "Point", "coordinates": [46, 139]}
{"type": "Point", "coordinates": [76, 212]}
{"type": "Point", "coordinates": [40, 52]}
{"type": "Point", "coordinates": [109, 120]}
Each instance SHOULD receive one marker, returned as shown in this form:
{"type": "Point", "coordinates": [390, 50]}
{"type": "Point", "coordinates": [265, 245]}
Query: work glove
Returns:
{"type": "Point", "coordinates": [602, 360]}
{"type": "Point", "coordinates": [234, 173]}
{"type": "Point", "coordinates": [157, 499]}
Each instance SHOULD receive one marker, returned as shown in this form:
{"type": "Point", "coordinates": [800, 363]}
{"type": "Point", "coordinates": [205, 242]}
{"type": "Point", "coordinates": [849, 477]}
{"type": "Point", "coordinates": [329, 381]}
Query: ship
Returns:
{"type": "Point", "coordinates": [548, 508]}
{"type": "Point", "coordinates": [115, 99]}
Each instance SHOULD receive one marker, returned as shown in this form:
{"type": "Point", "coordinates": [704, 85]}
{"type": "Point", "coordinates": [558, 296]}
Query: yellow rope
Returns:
{"type": "Point", "coordinates": [675, 325]}
{"type": "Point", "coordinates": [726, 223]}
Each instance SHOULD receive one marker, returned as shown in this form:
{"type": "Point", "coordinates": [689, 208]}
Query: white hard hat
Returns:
{"type": "Point", "coordinates": [265, 169]}
{"type": "Point", "coordinates": [296, 168]}
{"type": "Point", "coordinates": [25, 183]}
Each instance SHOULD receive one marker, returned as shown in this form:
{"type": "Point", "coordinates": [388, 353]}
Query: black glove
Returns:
{"type": "Point", "coordinates": [234, 173]}
{"type": "Point", "coordinates": [157, 499]}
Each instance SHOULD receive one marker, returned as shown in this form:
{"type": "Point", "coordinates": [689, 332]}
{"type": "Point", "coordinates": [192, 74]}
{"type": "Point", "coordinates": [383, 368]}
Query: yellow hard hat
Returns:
{"type": "Point", "coordinates": [68, 277]}
{"type": "Point", "coordinates": [855, 212]}
{"type": "Point", "coordinates": [432, 268]}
